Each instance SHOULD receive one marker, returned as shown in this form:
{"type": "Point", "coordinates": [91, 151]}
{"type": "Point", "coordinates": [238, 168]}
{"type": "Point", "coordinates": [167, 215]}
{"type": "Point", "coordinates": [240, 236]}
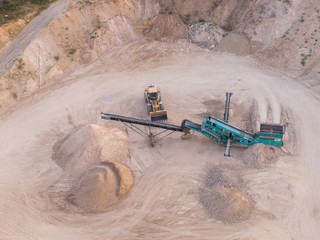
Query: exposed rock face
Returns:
{"type": "Point", "coordinates": [283, 34]}
{"type": "Point", "coordinates": [254, 17]}
{"type": "Point", "coordinates": [79, 36]}
{"type": "Point", "coordinates": [165, 27]}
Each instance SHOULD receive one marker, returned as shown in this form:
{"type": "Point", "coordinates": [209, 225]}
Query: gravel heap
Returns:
{"type": "Point", "coordinates": [205, 34]}
{"type": "Point", "coordinates": [223, 195]}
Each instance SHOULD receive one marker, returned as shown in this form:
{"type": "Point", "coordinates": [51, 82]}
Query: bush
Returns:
{"type": "Point", "coordinates": [168, 11]}
{"type": "Point", "coordinates": [71, 51]}
{"type": "Point", "coordinates": [304, 58]}
{"type": "Point", "coordinates": [301, 19]}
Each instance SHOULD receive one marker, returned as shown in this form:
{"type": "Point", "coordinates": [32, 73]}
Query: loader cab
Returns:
{"type": "Point", "coordinates": [152, 92]}
{"type": "Point", "coordinates": [153, 96]}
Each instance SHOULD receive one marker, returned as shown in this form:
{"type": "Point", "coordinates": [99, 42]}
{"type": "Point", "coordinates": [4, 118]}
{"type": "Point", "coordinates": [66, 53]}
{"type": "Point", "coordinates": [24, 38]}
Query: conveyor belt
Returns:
{"type": "Point", "coordinates": [191, 125]}
{"type": "Point", "coordinates": [170, 127]}
{"type": "Point", "coordinates": [214, 128]}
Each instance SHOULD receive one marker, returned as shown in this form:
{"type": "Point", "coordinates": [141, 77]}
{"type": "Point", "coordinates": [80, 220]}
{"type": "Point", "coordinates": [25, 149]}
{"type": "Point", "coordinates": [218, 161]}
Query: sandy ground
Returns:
{"type": "Point", "coordinates": [164, 202]}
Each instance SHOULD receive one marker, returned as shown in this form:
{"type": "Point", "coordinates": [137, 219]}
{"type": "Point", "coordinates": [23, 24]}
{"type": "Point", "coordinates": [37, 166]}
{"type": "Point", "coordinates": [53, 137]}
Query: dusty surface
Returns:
{"type": "Point", "coordinates": [65, 175]}
{"type": "Point", "coordinates": [164, 202]}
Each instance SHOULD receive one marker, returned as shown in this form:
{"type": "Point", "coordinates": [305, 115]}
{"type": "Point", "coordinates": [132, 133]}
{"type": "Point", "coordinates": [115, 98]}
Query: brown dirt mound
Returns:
{"type": "Point", "coordinates": [223, 196]}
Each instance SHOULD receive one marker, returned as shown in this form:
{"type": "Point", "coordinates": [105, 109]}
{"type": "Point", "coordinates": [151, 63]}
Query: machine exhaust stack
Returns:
{"type": "Point", "coordinates": [227, 152]}
{"type": "Point", "coordinates": [227, 108]}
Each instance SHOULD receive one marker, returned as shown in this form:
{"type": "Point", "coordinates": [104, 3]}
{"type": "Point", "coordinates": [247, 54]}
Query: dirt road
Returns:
{"type": "Point", "coordinates": [11, 53]}
{"type": "Point", "coordinates": [164, 201]}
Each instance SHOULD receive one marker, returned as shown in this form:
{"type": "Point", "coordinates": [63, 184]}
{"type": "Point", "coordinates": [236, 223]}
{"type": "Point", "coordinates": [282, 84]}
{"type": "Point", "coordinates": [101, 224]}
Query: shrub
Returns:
{"type": "Point", "coordinates": [71, 51]}
{"type": "Point", "coordinates": [301, 19]}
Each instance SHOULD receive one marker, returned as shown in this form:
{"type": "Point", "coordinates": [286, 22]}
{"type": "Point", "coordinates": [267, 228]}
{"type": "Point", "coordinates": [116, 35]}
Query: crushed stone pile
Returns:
{"type": "Point", "coordinates": [205, 34]}
{"type": "Point", "coordinates": [223, 195]}
{"type": "Point", "coordinates": [92, 156]}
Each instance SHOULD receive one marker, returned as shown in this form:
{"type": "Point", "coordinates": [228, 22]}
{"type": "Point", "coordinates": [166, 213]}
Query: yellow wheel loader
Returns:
{"type": "Point", "coordinates": [155, 107]}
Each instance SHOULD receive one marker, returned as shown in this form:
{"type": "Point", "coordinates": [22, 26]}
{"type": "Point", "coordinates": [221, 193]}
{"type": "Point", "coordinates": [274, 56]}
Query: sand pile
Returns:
{"type": "Point", "coordinates": [90, 145]}
{"type": "Point", "coordinates": [223, 196]}
{"type": "Point", "coordinates": [259, 156]}
{"type": "Point", "coordinates": [92, 155]}
{"type": "Point", "coordinates": [235, 43]}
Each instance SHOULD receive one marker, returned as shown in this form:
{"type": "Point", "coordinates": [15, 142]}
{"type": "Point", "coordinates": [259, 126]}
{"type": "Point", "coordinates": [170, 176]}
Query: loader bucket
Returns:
{"type": "Point", "coordinates": [159, 116]}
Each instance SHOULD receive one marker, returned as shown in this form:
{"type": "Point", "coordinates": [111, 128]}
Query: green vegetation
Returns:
{"type": "Point", "coordinates": [301, 19]}
{"type": "Point", "coordinates": [304, 58]}
{"type": "Point", "coordinates": [186, 18]}
{"type": "Point", "coordinates": [168, 11]}
{"type": "Point", "coordinates": [11, 10]}
{"type": "Point", "coordinates": [20, 64]}
{"type": "Point", "coordinates": [94, 34]}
